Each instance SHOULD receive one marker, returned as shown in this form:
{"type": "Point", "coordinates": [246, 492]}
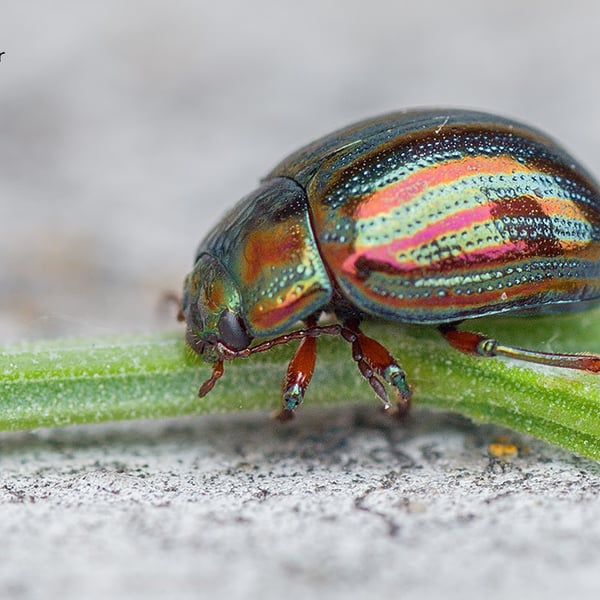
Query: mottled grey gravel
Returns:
{"type": "Point", "coordinates": [338, 504]}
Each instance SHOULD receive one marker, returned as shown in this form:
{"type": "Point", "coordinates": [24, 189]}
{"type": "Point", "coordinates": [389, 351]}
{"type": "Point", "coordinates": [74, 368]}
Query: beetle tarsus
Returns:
{"type": "Point", "coordinates": [377, 365]}
{"type": "Point", "coordinates": [395, 376]}
{"type": "Point", "coordinates": [292, 397]}
{"type": "Point", "coordinates": [299, 372]}
{"type": "Point", "coordinates": [209, 384]}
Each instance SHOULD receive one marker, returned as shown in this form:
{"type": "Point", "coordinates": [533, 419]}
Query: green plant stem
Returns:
{"type": "Point", "coordinates": [88, 381]}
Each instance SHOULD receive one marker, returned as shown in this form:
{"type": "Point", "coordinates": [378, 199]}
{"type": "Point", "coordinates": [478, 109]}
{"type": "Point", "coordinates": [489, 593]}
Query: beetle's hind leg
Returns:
{"type": "Point", "coordinates": [481, 345]}
{"type": "Point", "coordinates": [376, 365]}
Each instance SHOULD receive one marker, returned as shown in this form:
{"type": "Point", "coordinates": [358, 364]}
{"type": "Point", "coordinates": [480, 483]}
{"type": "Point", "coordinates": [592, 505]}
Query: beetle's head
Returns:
{"type": "Point", "coordinates": [212, 309]}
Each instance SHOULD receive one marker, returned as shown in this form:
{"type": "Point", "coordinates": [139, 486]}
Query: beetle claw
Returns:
{"type": "Point", "coordinates": [400, 410]}
{"type": "Point", "coordinates": [298, 375]}
{"type": "Point", "coordinates": [282, 415]}
{"type": "Point", "coordinates": [376, 365]}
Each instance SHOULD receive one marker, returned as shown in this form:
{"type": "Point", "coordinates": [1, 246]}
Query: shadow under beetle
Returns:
{"type": "Point", "coordinates": [424, 217]}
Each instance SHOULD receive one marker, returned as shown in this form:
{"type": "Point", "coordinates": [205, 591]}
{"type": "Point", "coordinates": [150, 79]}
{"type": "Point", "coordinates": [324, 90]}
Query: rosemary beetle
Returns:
{"type": "Point", "coordinates": [428, 217]}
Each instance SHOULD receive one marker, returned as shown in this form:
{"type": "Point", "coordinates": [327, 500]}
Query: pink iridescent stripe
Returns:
{"type": "Point", "coordinates": [405, 190]}
{"type": "Point", "coordinates": [450, 225]}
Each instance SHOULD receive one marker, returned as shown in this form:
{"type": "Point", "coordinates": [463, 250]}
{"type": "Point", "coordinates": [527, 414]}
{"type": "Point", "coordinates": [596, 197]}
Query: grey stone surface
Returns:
{"type": "Point", "coordinates": [340, 504]}
{"type": "Point", "coordinates": [125, 130]}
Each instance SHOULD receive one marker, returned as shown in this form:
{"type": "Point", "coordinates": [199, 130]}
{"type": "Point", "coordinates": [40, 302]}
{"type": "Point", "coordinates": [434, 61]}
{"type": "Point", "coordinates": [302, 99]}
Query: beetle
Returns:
{"type": "Point", "coordinates": [427, 217]}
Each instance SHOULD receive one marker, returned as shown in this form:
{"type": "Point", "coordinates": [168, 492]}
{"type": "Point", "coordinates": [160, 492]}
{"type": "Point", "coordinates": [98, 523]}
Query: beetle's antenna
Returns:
{"type": "Point", "coordinates": [172, 299]}
{"type": "Point", "coordinates": [299, 334]}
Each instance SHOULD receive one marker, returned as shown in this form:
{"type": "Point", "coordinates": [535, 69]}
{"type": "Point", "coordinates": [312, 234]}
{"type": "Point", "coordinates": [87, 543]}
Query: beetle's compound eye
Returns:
{"type": "Point", "coordinates": [232, 331]}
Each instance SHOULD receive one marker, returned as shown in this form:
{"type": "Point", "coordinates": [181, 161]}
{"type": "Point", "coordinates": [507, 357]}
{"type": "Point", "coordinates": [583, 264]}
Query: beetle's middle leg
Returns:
{"type": "Point", "coordinates": [375, 364]}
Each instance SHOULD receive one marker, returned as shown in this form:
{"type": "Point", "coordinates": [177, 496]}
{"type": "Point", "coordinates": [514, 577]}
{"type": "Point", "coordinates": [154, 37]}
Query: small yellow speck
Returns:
{"type": "Point", "coordinates": [502, 447]}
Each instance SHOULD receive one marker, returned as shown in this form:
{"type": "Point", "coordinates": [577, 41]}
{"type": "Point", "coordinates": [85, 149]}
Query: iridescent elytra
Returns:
{"type": "Point", "coordinates": [427, 217]}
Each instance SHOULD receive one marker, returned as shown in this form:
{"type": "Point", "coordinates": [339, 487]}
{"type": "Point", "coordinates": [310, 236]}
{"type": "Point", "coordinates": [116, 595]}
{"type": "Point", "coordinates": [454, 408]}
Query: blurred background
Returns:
{"type": "Point", "coordinates": [127, 128]}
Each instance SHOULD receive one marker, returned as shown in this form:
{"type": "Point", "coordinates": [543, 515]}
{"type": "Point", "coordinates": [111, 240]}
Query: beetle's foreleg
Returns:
{"type": "Point", "coordinates": [209, 384]}
{"type": "Point", "coordinates": [480, 345]}
{"type": "Point", "coordinates": [299, 373]}
{"type": "Point", "coordinates": [376, 363]}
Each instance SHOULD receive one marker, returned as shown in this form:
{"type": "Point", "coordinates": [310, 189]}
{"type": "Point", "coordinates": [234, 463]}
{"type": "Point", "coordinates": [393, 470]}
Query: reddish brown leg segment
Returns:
{"type": "Point", "coordinates": [376, 365]}
{"type": "Point", "coordinates": [209, 384]}
{"type": "Point", "coordinates": [480, 345]}
{"type": "Point", "coordinates": [299, 373]}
